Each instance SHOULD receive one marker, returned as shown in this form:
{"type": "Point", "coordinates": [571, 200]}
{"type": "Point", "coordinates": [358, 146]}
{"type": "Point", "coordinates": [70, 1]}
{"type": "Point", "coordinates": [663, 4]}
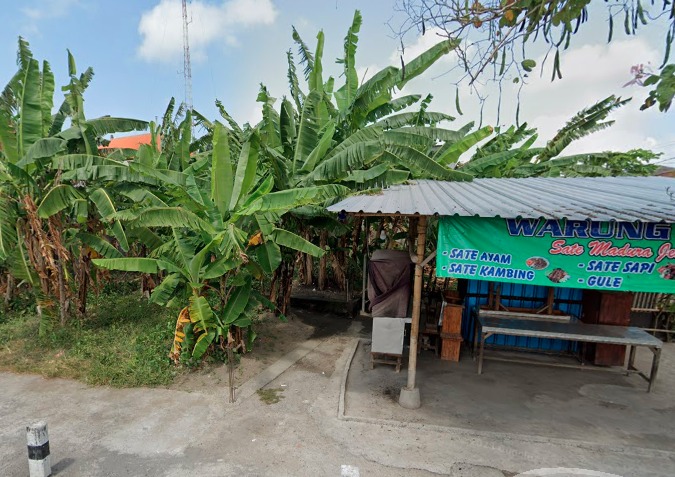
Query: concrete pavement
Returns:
{"type": "Point", "coordinates": [158, 432]}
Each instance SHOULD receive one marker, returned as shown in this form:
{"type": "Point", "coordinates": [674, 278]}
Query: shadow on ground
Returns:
{"type": "Point", "coordinates": [325, 323]}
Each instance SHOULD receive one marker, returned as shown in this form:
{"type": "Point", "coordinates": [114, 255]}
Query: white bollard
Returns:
{"type": "Point", "coordinates": [39, 462]}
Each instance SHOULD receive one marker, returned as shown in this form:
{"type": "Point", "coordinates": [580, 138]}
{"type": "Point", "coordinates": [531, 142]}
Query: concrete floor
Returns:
{"type": "Point", "coordinates": [588, 405]}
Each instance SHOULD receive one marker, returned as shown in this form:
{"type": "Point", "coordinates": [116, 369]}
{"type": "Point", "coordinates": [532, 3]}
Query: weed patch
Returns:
{"type": "Point", "coordinates": [271, 395]}
{"type": "Point", "coordinates": [123, 342]}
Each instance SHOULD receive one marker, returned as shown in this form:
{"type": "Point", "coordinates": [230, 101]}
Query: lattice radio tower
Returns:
{"type": "Point", "coordinates": [187, 67]}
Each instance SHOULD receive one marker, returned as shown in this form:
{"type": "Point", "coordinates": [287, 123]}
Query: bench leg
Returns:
{"type": "Point", "coordinates": [482, 350]}
{"type": "Point", "coordinates": [475, 337]}
{"type": "Point", "coordinates": [655, 368]}
{"type": "Point", "coordinates": [583, 353]}
{"type": "Point", "coordinates": [631, 360]}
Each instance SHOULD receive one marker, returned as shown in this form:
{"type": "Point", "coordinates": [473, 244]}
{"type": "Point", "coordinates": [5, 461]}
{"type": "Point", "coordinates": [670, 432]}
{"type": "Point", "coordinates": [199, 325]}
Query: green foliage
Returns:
{"type": "Point", "coordinates": [270, 395]}
{"type": "Point", "coordinates": [510, 153]}
{"type": "Point", "coordinates": [509, 28]}
{"type": "Point", "coordinates": [358, 126]}
{"type": "Point", "coordinates": [201, 237]}
{"type": "Point", "coordinates": [587, 121]}
{"type": "Point", "coordinates": [206, 218]}
{"type": "Point", "coordinates": [122, 343]}
{"type": "Point", "coordinates": [664, 89]}
{"type": "Point", "coordinates": [34, 148]}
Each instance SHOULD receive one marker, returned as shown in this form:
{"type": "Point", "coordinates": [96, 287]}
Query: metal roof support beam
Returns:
{"type": "Point", "coordinates": [410, 395]}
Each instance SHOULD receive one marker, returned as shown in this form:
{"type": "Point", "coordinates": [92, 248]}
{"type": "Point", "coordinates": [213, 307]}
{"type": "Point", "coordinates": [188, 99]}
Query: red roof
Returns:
{"type": "Point", "coordinates": [129, 142]}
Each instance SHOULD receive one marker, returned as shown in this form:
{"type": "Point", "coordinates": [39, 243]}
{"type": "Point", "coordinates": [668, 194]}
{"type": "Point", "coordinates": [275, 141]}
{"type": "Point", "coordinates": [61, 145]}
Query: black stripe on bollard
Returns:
{"type": "Point", "coordinates": [38, 452]}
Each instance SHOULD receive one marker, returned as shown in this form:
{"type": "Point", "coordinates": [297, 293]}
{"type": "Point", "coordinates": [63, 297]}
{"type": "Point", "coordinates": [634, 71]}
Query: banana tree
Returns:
{"type": "Point", "coordinates": [357, 135]}
{"type": "Point", "coordinates": [511, 153]}
{"type": "Point", "coordinates": [30, 136]}
{"type": "Point", "coordinates": [222, 235]}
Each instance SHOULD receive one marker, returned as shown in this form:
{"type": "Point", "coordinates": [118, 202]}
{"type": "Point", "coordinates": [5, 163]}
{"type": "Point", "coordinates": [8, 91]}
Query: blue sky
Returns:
{"type": "Point", "coordinates": [135, 48]}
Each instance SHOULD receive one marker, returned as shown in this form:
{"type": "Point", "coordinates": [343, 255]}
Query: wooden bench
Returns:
{"type": "Point", "coordinates": [538, 326]}
{"type": "Point", "coordinates": [527, 316]}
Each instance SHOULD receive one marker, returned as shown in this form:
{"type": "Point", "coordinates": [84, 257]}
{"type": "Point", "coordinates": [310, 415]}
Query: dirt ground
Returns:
{"type": "Point", "coordinates": [303, 291]}
{"type": "Point", "coordinates": [275, 339]}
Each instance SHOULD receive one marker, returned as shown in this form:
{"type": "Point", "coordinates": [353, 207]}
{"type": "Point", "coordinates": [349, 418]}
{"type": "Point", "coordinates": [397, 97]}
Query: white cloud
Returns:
{"type": "Point", "coordinates": [254, 115]}
{"type": "Point", "coordinates": [596, 66]}
{"type": "Point", "coordinates": [421, 44]}
{"type": "Point", "coordinates": [590, 73]}
{"type": "Point", "coordinates": [364, 73]}
{"type": "Point", "coordinates": [161, 28]}
{"type": "Point", "coordinates": [48, 8]}
{"type": "Point", "coordinates": [39, 10]}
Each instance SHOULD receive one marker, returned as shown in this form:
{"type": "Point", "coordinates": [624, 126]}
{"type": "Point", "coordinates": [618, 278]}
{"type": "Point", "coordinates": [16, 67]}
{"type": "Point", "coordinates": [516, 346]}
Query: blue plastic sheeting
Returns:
{"type": "Point", "coordinates": [530, 296]}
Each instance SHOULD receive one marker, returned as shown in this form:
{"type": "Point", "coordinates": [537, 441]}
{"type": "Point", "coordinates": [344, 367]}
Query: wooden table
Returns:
{"type": "Point", "coordinates": [572, 331]}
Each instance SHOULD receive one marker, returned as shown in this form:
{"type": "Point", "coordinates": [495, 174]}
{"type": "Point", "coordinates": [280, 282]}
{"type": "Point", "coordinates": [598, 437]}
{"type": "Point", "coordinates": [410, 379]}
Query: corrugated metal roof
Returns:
{"type": "Point", "coordinates": [598, 198]}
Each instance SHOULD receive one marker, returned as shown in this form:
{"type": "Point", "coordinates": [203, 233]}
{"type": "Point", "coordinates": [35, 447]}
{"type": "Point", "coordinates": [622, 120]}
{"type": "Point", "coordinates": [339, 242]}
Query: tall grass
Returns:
{"type": "Point", "coordinates": [123, 342]}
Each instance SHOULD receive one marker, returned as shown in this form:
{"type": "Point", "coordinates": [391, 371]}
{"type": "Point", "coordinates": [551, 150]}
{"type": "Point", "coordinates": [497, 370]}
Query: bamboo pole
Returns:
{"type": "Point", "coordinates": [417, 301]}
{"type": "Point", "coordinates": [364, 285]}
{"type": "Point", "coordinates": [364, 254]}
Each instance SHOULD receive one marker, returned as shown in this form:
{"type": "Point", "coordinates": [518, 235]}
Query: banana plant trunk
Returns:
{"type": "Point", "coordinates": [282, 284]}
{"type": "Point", "coordinates": [9, 292]}
{"type": "Point", "coordinates": [63, 300]}
{"type": "Point", "coordinates": [309, 263]}
{"type": "Point", "coordinates": [274, 289]}
{"type": "Point", "coordinates": [339, 262]}
{"type": "Point", "coordinates": [285, 286]}
{"type": "Point", "coordinates": [47, 255]}
{"type": "Point", "coordinates": [356, 234]}
{"type": "Point", "coordinates": [83, 275]}
{"type": "Point", "coordinates": [323, 262]}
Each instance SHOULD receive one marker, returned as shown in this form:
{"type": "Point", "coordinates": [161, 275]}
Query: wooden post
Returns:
{"type": "Point", "coordinates": [409, 395]}
{"type": "Point", "coordinates": [364, 285]}
{"type": "Point", "coordinates": [364, 254]}
{"type": "Point", "coordinates": [550, 299]}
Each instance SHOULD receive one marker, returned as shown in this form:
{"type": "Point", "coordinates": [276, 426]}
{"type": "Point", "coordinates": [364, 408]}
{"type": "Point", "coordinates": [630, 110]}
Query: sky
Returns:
{"type": "Point", "coordinates": [136, 50]}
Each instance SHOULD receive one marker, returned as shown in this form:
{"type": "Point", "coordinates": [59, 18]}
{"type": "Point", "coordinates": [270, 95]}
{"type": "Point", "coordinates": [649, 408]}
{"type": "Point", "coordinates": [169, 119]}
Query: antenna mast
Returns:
{"type": "Point", "coordinates": [187, 67]}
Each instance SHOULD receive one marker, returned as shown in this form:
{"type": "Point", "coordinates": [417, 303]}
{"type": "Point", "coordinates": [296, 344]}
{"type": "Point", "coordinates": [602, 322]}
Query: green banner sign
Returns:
{"type": "Point", "coordinates": [621, 256]}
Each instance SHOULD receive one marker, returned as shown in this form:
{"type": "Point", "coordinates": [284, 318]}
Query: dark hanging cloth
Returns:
{"type": "Point", "coordinates": [389, 283]}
